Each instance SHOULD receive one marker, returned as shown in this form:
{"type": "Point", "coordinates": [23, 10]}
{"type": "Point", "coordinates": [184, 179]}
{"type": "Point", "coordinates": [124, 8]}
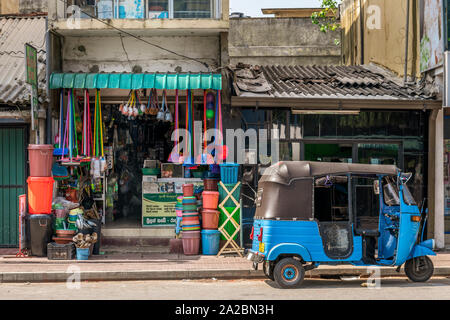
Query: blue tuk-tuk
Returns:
{"type": "Point", "coordinates": [313, 213]}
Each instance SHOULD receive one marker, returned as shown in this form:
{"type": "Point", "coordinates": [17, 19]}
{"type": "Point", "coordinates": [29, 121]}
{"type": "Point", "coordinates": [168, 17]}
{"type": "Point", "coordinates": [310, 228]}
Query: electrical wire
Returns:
{"type": "Point", "coordinates": [140, 39]}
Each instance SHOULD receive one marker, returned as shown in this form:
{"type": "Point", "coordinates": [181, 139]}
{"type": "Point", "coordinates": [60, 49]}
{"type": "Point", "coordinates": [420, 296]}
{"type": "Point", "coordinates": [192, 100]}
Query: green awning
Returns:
{"type": "Point", "coordinates": [128, 81]}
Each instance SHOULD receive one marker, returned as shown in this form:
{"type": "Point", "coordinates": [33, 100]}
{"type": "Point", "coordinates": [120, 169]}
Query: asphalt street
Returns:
{"type": "Point", "coordinates": [316, 289]}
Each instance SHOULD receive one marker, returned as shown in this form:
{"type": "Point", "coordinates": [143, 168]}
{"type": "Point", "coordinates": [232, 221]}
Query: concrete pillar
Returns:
{"type": "Point", "coordinates": [436, 178]}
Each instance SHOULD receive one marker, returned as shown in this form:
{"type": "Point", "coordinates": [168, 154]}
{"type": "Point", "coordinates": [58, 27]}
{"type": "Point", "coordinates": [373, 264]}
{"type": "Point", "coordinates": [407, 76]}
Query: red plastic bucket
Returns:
{"type": "Point", "coordinates": [191, 242]}
{"type": "Point", "coordinates": [40, 195]}
{"type": "Point", "coordinates": [41, 160]}
{"type": "Point", "coordinates": [210, 219]}
{"type": "Point", "coordinates": [210, 200]}
{"type": "Point", "coordinates": [188, 190]}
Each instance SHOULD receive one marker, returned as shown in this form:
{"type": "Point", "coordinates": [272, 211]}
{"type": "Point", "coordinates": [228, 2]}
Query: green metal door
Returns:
{"type": "Point", "coordinates": [12, 181]}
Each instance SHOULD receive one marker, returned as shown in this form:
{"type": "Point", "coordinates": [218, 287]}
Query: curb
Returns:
{"type": "Point", "coordinates": [36, 277]}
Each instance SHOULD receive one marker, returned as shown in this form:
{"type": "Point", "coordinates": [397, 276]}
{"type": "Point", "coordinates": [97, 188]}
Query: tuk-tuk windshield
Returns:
{"type": "Point", "coordinates": [391, 195]}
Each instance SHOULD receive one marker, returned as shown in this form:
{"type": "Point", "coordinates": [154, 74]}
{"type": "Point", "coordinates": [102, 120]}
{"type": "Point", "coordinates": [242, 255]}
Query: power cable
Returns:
{"type": "Point", "coordinates": [140, 39]}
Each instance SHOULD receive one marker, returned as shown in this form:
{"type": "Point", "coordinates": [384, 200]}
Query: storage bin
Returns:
{"type": "Point", "coordinates": [191, 242]}
{"type": "Point", "coordinates": [210, 242]}
{"type": "Point", "coordinates": [229, 227]}
{"type": "Point", "coordinates": [83, 253]}
{"type": "Point", "coordinates": [41, 160]}
{"type": "Point", "coordinates": [210, 199]}
{"type": "Point", "coordinates": [40, 195]}
{"type": "Point", "coordinates": [210, 219]}
{"type": "Point", "coordinates": [40, 233]}
{"type": "Point", "coordinates": [229, 173]}
{"type": "Point", "coordinates": [223, 194]}
{"type": "Point", "coordinates": [188, 190]}
{"type": "Point", "coordinates": [60, 251]}
{"type": "Point", "coordinates": [210, 184]}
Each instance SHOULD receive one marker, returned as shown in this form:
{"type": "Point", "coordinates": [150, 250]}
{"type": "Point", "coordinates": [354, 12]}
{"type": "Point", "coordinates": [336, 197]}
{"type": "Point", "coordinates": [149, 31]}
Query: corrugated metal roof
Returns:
{"type": "Point", "coordinates": [14, 33]}
{"type": "Point", "coordinates": [350, 82]}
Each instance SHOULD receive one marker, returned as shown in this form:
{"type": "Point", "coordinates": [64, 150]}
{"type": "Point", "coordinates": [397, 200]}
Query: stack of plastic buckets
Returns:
{"type": "Point", "coordinates": [40, 196]}
{"type": "Point", "coordinates": [210, 218]}
{"type": "Point", "coordinates": [191, 222]}
{"type": "Point", "coordinates": [179, 212]}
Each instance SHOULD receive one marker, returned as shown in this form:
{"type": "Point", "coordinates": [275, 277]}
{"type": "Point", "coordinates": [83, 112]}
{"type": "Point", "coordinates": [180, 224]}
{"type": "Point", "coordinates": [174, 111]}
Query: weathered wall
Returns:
{"type": "Point", "coordinates": [32, 6]}
{"type": "Point", "coordinates": [383, 37]}
{"type": "Point", "coordinates": [281, 41]}
{"type": "Point", "coordinates": [106, 54]}
{"type": "Point", "coordinates": [9, 6]}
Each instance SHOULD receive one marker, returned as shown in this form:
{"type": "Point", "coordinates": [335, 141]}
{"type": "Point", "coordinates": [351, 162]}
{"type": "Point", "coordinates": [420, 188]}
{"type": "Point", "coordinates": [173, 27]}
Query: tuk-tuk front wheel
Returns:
{"type": "Point", "coordinates": [289, 273]}
{"type": "Point", "coordinates": [419, 269]}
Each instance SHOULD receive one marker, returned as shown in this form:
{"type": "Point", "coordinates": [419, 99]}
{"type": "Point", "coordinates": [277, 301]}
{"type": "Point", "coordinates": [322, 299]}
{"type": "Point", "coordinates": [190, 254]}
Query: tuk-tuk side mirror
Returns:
{"type": "Point", "coordinates": [376, 187]}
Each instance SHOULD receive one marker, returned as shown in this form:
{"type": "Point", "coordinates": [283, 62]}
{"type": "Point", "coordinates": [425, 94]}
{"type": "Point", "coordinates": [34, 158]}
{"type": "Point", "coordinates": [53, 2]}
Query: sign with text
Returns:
{"type": "Point", "coordinates": [158, 209]}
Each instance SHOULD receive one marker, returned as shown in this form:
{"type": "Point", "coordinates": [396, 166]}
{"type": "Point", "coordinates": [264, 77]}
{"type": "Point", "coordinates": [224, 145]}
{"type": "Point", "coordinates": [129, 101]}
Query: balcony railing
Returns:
{"type": "Point", "coordinates": [144, 9]}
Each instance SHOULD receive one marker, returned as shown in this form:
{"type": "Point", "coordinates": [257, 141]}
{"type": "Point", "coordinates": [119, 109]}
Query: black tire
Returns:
{"type": "Point", "coordinates": [289, 273]}
{"type": "Point", "coordinates": [419, 269]}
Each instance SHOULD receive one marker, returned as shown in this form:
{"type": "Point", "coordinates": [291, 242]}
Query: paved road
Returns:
{"type": "Point", "coordinates": [391, 288]}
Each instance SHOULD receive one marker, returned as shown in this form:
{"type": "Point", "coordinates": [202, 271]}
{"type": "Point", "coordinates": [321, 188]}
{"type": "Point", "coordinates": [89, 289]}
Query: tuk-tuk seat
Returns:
{"type": "Point", "coordinates": [367, 233]}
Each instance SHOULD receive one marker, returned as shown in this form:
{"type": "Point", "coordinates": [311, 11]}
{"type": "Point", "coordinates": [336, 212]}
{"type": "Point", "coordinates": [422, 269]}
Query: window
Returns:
{"type": "Point", "coordinates": [331, 198]}
{"type": "Point", "coordinates": [192, 9]}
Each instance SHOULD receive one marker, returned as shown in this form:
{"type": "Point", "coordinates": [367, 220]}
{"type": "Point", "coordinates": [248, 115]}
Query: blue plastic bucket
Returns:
{"type": "Point", "coordinates": [210, 242]}
{"type": "Point", "coordinates": [229, 173]}
{"type": "Point", "coordinates": [82, 254]}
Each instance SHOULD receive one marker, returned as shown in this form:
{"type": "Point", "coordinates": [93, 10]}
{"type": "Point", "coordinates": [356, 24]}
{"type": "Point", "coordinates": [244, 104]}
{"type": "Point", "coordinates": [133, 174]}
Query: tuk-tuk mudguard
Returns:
{"type": "Point", "coordinates": [290, 249]}
{"type": "Point", "coordinates": [422, 249]}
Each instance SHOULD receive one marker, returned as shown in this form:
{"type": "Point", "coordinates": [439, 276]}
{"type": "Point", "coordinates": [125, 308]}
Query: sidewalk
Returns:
{"type": "Point", "coordinates": [163, 267]}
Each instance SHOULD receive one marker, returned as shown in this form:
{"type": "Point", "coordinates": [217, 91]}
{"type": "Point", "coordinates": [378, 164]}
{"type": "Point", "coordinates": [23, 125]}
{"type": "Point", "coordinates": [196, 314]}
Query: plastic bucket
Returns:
{"type": "Point", "coordinates": [223, 194]}
{"type": "Point", "coordinates": [83, 254]}
{"type": "Point", "coordinates": [40, 195]}
{"type": "Point", "coordinates": [40, 233]}
{"type": "Point", "coordinates": [229, 173]}
{"type": "Point", "coordinates": [210, 184]}
{"type": "Point", "coordinates": [41, 160]}
{"type": "Point", "coordinates": [191, 242]}
{"type": "Point", "coordinates": [210, 219]}
{"type": "Point", "coordinates": [188, 190]}
{"type": "Point", "coordinates": [210, 242]}
{"type": "Point", "coordinates": [61, 213]}
{"type": "Point", "coordinates": [191, 224]}
{"type": "Point", "coordinates": [210, 200]}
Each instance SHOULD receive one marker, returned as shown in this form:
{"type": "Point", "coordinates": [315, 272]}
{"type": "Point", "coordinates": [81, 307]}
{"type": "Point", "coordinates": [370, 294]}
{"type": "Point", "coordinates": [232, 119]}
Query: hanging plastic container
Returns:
{"type": "Point", "coordinates": [191, 242]}
{"type": "Point", "coordinates": [229, 173]}
{"type": "Point", "coordinates": [210, 219]}
{"type": "Point", "coordinates": [210, 200]}
{"type": "Point", "coordinates": [40, 195]}
{"type": "Point", "coordinates": [211, 184]}
{"type": "Point", "coordinates": [210, 242]}
{"type": "Point", "coordinates": [41, 160]}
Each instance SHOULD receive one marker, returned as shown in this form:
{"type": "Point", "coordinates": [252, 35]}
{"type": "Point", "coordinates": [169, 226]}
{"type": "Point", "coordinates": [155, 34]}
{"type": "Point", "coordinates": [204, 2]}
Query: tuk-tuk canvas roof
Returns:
{"type": "Point", "coordinates": [285, 171]}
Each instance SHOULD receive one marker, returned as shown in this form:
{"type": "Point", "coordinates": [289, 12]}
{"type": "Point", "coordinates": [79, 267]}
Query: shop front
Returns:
{"type": "Point", "coordinates": [118, 150]}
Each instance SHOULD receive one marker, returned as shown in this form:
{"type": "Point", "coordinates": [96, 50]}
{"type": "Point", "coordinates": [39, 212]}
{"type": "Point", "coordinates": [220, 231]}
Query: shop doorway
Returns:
{"type": "Point", "coordinates": [13, 159]}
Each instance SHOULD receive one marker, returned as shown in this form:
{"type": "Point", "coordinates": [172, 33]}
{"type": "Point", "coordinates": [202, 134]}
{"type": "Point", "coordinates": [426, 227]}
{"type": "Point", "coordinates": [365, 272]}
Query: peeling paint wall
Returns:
{"type": "Point", "coordinates": [431, 44]}
{"type": "Point", "coordinates": [375, 33]}
{"type": "Point", "coordinates": [107, 54]}
{"type": "Point", "coordinates": [282, 41]}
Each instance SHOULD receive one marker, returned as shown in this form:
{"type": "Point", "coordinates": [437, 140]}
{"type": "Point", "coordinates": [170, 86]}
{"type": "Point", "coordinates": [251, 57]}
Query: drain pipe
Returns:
{"type": "Point", "coordinates": [405, 79]}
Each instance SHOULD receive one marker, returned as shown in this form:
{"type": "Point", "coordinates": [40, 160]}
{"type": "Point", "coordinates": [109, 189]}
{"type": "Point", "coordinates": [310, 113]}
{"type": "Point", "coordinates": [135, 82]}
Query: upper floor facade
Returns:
{"type": "Point", "coordinates": [149, 17]}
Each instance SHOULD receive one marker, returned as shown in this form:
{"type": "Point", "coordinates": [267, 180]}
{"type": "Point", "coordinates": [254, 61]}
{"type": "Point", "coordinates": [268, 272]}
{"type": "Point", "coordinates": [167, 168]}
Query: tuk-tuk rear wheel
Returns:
{"type": "Point", "coordinates": [289, 273]}
{"type": "Point", "coordinates": [419, 269]}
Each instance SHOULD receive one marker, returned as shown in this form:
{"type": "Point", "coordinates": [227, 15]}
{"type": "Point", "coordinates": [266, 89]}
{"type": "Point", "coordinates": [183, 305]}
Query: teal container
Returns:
{"type": "Point", "coordinates": [210, 242]}
{"type": "Point", "coordinates": [223, 194]}
{"type": "Point", "coordinates": [82, 254]}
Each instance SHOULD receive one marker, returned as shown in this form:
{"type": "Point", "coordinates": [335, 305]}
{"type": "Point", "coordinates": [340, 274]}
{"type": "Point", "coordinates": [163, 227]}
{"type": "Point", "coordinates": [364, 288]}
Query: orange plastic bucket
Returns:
{"type": "Point", "coordinates": [40, 195]}
{"type": "Point", "coordinates": [210, 219]}
{"type": "Point", "coordinates": [41, 160]}
{"type": "Point", "coordinates": [210, 200]}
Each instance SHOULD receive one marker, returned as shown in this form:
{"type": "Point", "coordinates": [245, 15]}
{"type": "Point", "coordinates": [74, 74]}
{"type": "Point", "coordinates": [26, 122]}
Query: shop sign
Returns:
{"type": "Point", "coordinates": [158, 209]}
